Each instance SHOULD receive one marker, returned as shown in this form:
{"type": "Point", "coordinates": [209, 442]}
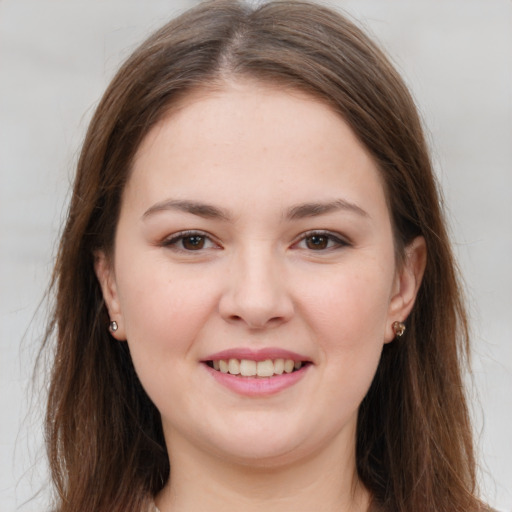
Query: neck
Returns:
{"type": "Point", "coordinates": [320, 481]}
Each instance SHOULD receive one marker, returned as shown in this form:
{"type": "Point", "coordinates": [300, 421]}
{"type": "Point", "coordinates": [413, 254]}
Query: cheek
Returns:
{"type": "Point", "coordinates": [162, 311]}
{"type": "Point", "coordinates": [163, 323]}
{"type": "Point", "coordinates": [349, 319]}
{"type": "Point", "coordinates": [351, 307]}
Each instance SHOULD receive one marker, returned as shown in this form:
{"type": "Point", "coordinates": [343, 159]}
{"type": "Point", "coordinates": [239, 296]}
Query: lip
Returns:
{"type": "Point", "coordinates": [258, 386]}
{"type": "Point", "coordinates": [256, 355]}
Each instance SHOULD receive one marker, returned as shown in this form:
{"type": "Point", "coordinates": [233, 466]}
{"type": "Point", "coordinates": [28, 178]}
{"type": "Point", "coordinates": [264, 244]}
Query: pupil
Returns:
{"type": "Point", "coordinates": [317, 242]}
{"type": "Point", "coordinates": [193, 242]}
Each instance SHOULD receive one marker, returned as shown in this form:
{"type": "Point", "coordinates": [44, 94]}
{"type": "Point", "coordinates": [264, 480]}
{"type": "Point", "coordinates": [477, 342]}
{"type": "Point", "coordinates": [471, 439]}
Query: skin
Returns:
{"type": "Point", "coordinates": [259, 154]}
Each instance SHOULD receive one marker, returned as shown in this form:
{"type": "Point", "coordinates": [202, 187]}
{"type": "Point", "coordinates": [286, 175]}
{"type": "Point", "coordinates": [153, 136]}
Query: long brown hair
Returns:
{"type": "Point", "coordinates": [104, 436]}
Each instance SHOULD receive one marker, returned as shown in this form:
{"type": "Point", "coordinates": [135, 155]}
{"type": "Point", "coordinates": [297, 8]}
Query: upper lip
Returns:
{"type": "Point", "coordinates": [256, 355]}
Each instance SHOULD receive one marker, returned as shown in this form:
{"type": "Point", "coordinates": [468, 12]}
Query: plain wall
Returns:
{"type": "Point", "coordinates": [56, 58]}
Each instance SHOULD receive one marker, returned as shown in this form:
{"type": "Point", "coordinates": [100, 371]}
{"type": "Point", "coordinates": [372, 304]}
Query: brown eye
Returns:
{"type": "Point", "coordinates": [190, 241]}
{"type": "Point", "coordinates": [193, 243]}
{"type": "Point", "coordinates": [317, 242]}
{"type": "Point", "coordinates": [321, 241]}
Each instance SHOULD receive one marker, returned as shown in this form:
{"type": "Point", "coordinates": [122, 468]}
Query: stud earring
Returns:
{"type": "Point", "coordinates": [113, 326]}
{"type": "Point", "coordinates": [398, 328]}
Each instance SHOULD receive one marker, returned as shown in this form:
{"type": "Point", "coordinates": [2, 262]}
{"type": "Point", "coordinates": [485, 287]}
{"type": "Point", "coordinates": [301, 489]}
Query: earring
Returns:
{"type": "Point", "coordinates": [398, 328]}
{"type": "Point", "coordinates": [113, 326]}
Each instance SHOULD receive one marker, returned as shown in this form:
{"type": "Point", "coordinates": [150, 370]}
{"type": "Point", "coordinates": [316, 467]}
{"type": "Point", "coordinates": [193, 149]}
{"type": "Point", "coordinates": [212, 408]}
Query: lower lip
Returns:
{"type": "Point", "coordinates": [258, 386]}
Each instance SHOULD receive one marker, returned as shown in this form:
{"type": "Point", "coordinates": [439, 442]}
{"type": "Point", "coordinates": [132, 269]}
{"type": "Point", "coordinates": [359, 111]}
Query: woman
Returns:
{"type": "Point", "coordinates": [256, 298]}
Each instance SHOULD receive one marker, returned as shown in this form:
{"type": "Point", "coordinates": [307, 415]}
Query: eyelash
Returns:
{"type": "Point", "coordinates": [176, 238]}
{"type": "Point", "coordinates": [333, 241]}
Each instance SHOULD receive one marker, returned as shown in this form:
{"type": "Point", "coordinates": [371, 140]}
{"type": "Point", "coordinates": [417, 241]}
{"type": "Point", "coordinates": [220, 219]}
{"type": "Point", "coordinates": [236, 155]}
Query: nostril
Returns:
{"type": "Point", "coordinates": [256, 296]}
{"type": "Point", "coordinates": [255, 322]}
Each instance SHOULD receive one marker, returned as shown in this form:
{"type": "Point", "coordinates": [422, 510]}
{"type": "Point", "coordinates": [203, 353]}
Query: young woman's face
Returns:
{"type": "Point", "coordinates": [253, 237]}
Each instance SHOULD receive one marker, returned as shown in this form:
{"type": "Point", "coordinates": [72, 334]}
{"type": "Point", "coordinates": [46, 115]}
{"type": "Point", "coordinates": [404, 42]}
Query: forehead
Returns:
{"type": "Point", "coordinates": [239, 108]}
{"type": "Point", "coordinates": [248, 136]}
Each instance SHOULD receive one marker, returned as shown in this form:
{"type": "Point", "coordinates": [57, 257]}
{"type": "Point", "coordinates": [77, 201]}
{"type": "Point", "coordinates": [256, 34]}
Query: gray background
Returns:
{"type": "Point", "coordinates": [56, 58]}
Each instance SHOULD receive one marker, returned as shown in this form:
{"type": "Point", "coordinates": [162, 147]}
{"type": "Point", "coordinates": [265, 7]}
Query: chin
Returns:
{"type": "Point", "coordinates": [262, 455]}
{"type": "Point", "coordinates": [273, 444]}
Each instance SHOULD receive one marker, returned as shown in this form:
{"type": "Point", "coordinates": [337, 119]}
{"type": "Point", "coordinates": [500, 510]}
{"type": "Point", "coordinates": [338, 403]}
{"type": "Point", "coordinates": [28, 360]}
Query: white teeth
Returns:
{"type": "Point", "coordinates": [223, 366]}
{"type": "Point", "coordinates": [250, 368]}
{"type": "Point", "coordinates": [265, 368]}
{"type": "Point", "coordinates": [279, 366]}
{"type": "Point", "coordinates": [234, 366]}
{"type": "Point", "coordinates": [288, 366]}
{"type": "Point", "coordinates": [247, 367]}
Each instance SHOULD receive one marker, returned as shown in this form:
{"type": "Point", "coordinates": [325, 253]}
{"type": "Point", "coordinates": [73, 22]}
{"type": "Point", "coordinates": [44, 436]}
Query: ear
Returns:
{"type": "Point", "coordinates": [407, 283]}
{"type": "Point", "coordinates": [106, 277]}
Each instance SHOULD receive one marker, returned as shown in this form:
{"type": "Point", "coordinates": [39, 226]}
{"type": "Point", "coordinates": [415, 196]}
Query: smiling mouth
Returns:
{"type": "Point", "coordinates": [250, 368]}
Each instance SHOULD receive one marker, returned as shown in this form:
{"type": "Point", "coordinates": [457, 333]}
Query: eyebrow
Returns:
{"type": "Point", "coordinates": [207, 211]}
{"type": "Point", "coordinates": [300, 211]}
{"type": "Point", "coordinates": [305, 210]}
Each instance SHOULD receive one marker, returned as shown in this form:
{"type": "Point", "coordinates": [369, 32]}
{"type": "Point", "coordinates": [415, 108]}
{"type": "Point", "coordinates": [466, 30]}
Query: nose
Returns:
{"type": "Point", "coordinates": [256, 294]}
